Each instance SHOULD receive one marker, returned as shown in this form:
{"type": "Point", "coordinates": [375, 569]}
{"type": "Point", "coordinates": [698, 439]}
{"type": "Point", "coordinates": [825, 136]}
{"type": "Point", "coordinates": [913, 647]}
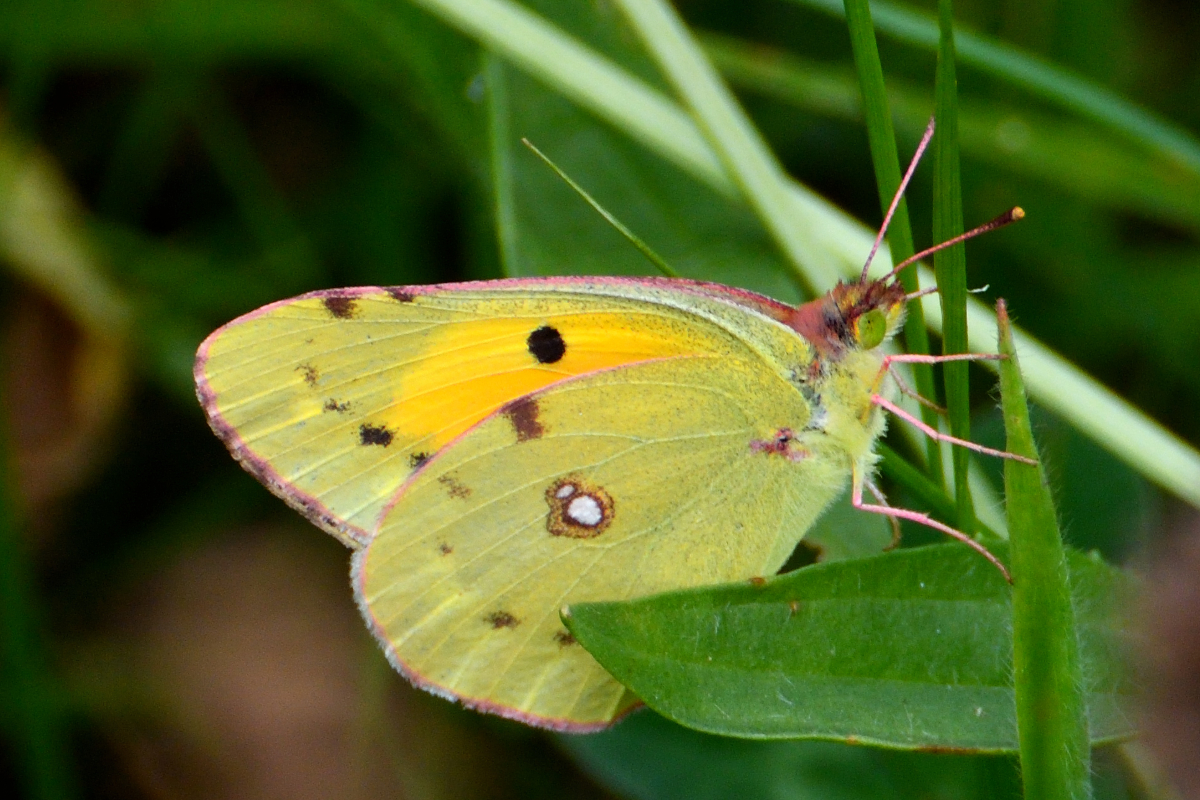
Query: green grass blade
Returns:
{"type": "Point", "coordinates": [1055, 84]}
{"type": "Point", "coordinates": [1115, 173]}
{"type": "Point", "coordinates": [886, 160]}
{"type": "Point", "coordinates": [542, 50]}
{"type": "Point", "coordinates": [725, 125]}
{"type": "Point", "coordinates": [950, 264]}
{"type": "Point", "coordinates": [654, 258]}
{"type": "Point", "coordinates": [33, 711]}
{"type": "Point", "coordinates": [503, 186]}
{"type": "Point", "coordinates": [1051, 716]}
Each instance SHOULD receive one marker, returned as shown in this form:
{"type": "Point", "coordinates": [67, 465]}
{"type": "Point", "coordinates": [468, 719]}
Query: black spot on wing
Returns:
{"type": "Point", "coordinates": [374, 434]}
{"type": "Point", "coordinates": [417, 460]}
{"type": "Point", "coordinates": [564, 638]}
{"type": "Point", "coordinates": [399, 295]}
{"type": "Point", "coordinates": [445, 549]}
{"type": "Point", "coordinates": [333, 405]}
{"type": "Point", "coordinates": [341, 307]}
{"type": "Point", "coordinates": [546, 344]}
{"type": "Point", "coordinates": [523, 414]}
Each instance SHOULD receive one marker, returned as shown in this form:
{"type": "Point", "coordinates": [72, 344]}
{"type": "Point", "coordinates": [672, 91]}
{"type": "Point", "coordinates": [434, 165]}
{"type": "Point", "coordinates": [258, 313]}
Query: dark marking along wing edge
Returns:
{"type": "Point", "coordinates": [350, 308]}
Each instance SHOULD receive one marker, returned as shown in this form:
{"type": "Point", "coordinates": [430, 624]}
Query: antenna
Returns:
{"type": "Point", "coordinates": [887, 219]}
{"type": "Point", "coordinates": [1008, 217]}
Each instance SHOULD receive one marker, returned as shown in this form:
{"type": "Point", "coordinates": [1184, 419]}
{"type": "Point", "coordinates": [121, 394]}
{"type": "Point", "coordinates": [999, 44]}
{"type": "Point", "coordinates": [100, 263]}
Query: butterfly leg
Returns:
{"type": "Point", "coordinates": [857, 480]}
{"type": "Point", "coordinates": [879, 498]}
{"type": "Point", "coordinates": [885, 369]}
{"type": "Point", "coordinates": [933, 433]}
{"type": "Point", "coordinates": [907, 390]}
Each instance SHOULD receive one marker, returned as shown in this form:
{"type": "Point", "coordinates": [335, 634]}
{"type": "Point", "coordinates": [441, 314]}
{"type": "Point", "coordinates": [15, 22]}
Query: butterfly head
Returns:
{"type": "Point", "coordinates": [852, 316]}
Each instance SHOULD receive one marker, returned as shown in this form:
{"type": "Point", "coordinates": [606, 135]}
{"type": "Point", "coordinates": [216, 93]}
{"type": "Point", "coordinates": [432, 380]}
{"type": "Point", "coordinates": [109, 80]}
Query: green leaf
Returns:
{"type": "Point", "coordinates": [844, 532]}
{"type": "Point", "coordinates": [909, 649]}
{"type": "Point", "coordinates": [1049, 678]}
{"type": "Point", "coordinates": [649, 758]}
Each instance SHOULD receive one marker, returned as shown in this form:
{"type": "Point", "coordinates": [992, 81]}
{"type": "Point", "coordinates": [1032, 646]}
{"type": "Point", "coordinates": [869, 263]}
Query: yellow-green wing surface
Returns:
{"type": "Point", "coordinates": [333, 399]}
{"type": "Point", "coordinates": [658, 475]}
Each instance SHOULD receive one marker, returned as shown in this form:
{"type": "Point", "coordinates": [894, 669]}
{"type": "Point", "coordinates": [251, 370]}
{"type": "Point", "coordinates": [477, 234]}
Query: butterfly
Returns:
{"type": "Point", "coordinates": [492, 451]}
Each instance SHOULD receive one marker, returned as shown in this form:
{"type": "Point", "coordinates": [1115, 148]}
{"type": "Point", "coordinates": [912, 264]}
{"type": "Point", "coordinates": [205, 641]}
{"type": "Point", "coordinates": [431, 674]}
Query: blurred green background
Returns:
{"type": "Point", "coordinates": [171, 630]}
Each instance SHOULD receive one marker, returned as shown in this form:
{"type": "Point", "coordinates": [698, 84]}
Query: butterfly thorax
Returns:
{"type": "Point", "coordinates": [847, 328]}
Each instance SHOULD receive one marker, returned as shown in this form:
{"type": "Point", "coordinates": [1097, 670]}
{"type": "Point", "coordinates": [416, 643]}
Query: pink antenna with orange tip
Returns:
{"type": "Point", "coordinates": [1008, 217]}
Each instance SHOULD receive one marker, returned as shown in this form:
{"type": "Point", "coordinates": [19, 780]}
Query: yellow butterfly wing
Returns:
{"type": "Point", "coordinates": [333, 399]}
{"type": "Point", "coordinates": [663, 474]}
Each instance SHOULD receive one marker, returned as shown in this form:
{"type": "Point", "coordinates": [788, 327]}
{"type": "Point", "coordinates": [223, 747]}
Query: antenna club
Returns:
{"type": "Point", "coordinates": [1017, 213]}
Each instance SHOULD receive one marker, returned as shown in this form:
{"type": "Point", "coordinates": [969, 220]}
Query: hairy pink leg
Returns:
{"type": "Point", "coordinates": [915, 358]}
{"type": "Point", "coordinates": [918, 358]}
{"type": "Point", "coordinates": [922, 519]}
{"type": "Point", "coordinates": [943, 437]}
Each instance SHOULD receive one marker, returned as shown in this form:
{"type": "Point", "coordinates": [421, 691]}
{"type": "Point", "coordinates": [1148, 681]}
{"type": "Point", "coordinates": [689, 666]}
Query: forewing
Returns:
{"type": "Point", "coordinates": [683, 471]}
{"type": "Point", "coordinates": [333, 399]}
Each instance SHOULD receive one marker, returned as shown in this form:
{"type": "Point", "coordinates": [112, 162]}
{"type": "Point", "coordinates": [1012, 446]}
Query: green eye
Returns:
{"type": "Point", "coordinates": [872, 327]}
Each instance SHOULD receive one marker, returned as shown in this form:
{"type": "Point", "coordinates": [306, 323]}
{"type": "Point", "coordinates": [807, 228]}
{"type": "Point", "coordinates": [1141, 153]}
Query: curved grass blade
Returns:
{"type": "Point", "coordinates": [1117, 173]}
{"type": "Point", "coordinates": [728, 130]}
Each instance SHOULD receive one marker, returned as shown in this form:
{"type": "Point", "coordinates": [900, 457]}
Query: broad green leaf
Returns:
{"type": "Point", "coordinates": [649, 758]}
{"type": "Point", "coordinates": [844, 532]}
{"type": "Point", "coordinates": [909, 649]}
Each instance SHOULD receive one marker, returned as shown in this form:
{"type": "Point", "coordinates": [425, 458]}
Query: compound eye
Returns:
{"type": "Point", "coordinates": [871, 328]}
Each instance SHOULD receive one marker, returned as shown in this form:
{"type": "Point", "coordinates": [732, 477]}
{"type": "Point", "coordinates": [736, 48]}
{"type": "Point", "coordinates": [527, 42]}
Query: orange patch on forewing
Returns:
{"type": "Point", "coordinates": [472, 369]}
